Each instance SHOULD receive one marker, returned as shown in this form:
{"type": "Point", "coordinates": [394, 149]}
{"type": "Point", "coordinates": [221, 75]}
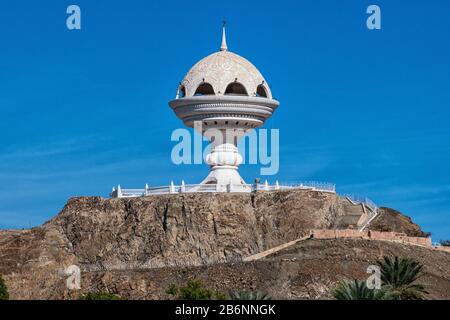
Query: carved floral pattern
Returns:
{"type": "Point", "coordinates": [222, 68]}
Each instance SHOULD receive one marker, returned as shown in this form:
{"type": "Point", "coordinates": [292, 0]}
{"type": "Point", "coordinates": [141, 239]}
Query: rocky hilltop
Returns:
{"type": "Point", "coordinates": [119, 243]}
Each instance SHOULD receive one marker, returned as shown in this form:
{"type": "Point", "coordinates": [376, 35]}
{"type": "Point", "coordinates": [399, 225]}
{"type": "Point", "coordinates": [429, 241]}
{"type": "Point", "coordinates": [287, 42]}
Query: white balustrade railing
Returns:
{"type": "Point", "coordinates": [359, 199]}
{"type": "Point", "coordinates": [373, 208]}
{"type": "Point", "coordinates": [246, 188]}
{"type": "Point", "coordinates": [315, 185]}
{"type": "Point", "coordinates": [194, 188]}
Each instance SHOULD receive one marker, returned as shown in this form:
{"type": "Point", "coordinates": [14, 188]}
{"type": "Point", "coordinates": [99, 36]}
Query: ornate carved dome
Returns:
{"type": "Point", "coordinates": [224, 96]}
{"type": "Point", "coordinates": [222, 91]}
{"type": "Point", "coordinates": [224, 73]}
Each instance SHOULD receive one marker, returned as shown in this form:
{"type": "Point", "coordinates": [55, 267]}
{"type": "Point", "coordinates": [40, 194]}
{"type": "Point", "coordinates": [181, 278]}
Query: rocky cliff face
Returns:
{"type": "Point", "coordinates": [308, 270]}
{"type": "Point", "coordinates": [188, 229]}
{"type": "Point", "coordinates": [154, 232]}
{"type": "Point", "coordinates": [391, 220]}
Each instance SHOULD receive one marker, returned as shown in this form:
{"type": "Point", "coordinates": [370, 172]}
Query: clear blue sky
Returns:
{"type": "Point", "coordinates": [82, 111]}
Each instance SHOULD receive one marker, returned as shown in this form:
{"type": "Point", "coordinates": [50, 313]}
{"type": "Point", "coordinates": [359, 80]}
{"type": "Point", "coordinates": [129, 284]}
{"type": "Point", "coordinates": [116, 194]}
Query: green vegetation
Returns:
{"type": "Point", "coordinates": [249, 295]}
{"type": "Point", "coordinates": [4, 295]}
{"type": "Point", "coordinates": [100, 296]}
{"type": "Point", "coordinates": [398, 278]}
{"type": "Point", "coordinates": [194, 290]}
{"type": "Point", "coordinates": [399, 275]}
{"type": "Point", "coordinates": [445, 243]}
{"type": "Point", "coordinates": [356, 290]}
{"type": "Point", "coordinates": [173, 290]}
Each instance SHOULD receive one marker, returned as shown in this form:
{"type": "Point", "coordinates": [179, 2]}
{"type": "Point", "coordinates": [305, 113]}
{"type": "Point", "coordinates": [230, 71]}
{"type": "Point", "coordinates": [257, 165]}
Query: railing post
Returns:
{"type": "Point", "coordinates": [118, 192]}
{"type": "Point", "coordinates": [277, 185]}
{"type": "Point", "coordinates": [257, 180]}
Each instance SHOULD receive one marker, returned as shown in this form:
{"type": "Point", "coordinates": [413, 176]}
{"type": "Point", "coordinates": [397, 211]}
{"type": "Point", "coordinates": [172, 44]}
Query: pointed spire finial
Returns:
{"type": "Point", "coordinates": [224, 46]}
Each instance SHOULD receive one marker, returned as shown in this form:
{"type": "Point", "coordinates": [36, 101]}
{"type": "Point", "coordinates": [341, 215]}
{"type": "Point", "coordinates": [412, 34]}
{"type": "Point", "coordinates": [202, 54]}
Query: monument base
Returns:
{"type": "Point", "coordinates": [224, 175]}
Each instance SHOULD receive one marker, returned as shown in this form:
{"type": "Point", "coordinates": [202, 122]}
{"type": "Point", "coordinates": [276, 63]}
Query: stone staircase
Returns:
{"type": "Point", "coordinates": [354, 217]}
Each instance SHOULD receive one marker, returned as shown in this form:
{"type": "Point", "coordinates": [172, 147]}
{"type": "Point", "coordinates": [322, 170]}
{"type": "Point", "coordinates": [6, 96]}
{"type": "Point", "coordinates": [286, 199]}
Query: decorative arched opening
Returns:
{"type": "Point", "coordinates": [181, 92]}
{"type": "Point", "coordinates": [204, 89]}
{"type": "Point", "coordinates": [236, 88]}
{"type": "Point", "coordinates": [261, 91]}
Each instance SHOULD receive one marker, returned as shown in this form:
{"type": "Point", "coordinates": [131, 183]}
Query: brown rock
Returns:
{"type": "Point", "coordinates": [173, 238]}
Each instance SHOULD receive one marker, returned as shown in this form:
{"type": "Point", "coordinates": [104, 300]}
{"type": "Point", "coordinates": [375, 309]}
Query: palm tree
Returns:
{"type": "Point", "coordinates": [356, 290]}
{"type": "Point", "coordinates": [399, 275]}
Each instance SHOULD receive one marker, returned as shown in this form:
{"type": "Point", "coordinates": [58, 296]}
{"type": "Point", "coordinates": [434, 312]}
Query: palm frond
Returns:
{"type": "Point", "coordinates": [399, 275]}
{"type": "Point", "coordinates": [356, 290]}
